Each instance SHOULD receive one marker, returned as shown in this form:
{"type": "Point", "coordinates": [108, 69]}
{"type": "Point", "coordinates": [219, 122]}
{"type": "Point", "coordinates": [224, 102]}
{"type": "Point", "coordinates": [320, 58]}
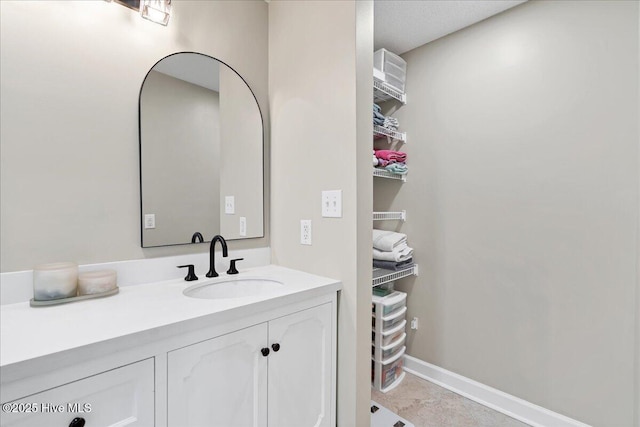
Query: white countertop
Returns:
{"type": "Point", "coordinates": [31, 332]}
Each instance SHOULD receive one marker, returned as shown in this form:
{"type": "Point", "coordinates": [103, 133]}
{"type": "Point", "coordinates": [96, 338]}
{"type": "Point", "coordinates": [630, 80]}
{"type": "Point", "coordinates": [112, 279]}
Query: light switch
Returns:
{"type": "Point", "coordinates": [332, 204]}
{"type": "Point", "coordinates": [230, 205]}
{"type": "Point", "coordinates": [149, 221]}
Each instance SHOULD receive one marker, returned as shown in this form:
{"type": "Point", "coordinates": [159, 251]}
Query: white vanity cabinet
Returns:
{"type": "Point", "coordinates": [275, 374]}
{"type": "Point", "coordinates": [119, 397]}
{"type": "Point", "coordinates": [152, 357]}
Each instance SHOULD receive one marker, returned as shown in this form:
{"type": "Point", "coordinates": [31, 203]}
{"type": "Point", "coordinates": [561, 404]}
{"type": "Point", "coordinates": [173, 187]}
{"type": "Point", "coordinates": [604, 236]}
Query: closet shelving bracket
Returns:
{"type": "Point", "coordinates": [390, 216]}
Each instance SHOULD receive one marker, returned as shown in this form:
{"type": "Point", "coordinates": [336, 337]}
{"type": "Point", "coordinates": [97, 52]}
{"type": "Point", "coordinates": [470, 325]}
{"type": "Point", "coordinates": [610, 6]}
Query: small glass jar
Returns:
{"type": "Point", "coordinates": [96, 282]}
{"type": "Point", "coordinates": [54, 281]}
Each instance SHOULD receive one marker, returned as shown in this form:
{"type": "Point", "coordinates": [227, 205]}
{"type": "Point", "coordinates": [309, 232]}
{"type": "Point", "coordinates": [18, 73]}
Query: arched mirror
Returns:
{"type": "Point", "coordinates": [201, 153]}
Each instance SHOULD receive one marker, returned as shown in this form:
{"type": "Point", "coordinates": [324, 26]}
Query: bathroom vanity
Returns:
{"type": "Point", "coordinates": [153, 356]}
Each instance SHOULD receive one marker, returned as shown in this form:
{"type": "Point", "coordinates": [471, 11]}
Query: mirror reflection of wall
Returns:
{"type": "Point", "coordinates": [200, 143]}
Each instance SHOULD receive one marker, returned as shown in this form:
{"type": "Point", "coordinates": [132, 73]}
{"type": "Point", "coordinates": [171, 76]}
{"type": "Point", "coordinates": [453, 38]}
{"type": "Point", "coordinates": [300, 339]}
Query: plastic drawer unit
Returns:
{"type": "Point", "coordinates": [393, 67]}
{"type": "Point", "coordinates": [387, 340]}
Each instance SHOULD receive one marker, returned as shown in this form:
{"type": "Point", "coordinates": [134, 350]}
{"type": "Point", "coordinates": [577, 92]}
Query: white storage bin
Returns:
{"type": "Point", "coordinates": [394, 68]}
{"type": "Point", "coordinates": [384, 323]}
{"type": "Point", "coordinates": [387, 352]}
{"type": "Point", "coordinates": [387, 374]}
{"type": "Point", "coordinates": [389, 303]}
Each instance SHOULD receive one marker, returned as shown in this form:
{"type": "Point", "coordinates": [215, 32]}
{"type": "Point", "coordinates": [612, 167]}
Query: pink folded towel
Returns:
{"type": "Point", "coordinates": [392, 156]}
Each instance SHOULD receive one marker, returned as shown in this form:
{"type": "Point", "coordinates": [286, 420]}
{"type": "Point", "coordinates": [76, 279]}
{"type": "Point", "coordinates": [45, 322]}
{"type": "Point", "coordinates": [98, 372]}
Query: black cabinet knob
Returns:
{"type": "Point", "coordinates": [77, 422]}
{"type": "Point", "coordinates": [275, 347]}
{"type": "Point", "coordinates": [265, 352]}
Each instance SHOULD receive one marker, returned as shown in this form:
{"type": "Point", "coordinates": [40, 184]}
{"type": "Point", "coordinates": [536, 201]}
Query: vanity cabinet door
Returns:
{"type": "Point", "coordinates": [220, 382]}
{"type": "Point", "coordinates": [300, 371]}
{"type": "Point", "coordinates": [120, 397]}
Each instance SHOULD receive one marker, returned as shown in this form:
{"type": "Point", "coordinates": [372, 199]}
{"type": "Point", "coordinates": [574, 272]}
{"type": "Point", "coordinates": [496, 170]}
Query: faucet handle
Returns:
{"type": "Point", "coordinates": [232, 268]}
{"type": "Point", "coordinates": [191, 274]}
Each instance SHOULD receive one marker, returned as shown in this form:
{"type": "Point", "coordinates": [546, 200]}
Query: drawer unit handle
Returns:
{"type": "Point", "coordinates": [275, 347]}
{"type": "Point", "coordinates": [77, 422]}
{"type": "Point", "coordinates": [265, 352]}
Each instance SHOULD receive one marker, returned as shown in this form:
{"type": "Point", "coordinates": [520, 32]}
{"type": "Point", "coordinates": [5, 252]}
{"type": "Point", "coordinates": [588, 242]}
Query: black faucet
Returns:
{"type": "Point", "coordinates": [197, 237]}
{"type": "Point", "coordinates": [212, 262]}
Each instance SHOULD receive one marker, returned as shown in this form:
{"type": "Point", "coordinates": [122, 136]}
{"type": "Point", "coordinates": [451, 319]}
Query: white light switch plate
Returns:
{"type": "Point", "coordinates": [305, 231]}
{"type": "Point", "coordinates": [229, 205]}
{"type": "Point", "coordinates": [149, 221]}
{"type": "Point", "coordinates": [332, 204]}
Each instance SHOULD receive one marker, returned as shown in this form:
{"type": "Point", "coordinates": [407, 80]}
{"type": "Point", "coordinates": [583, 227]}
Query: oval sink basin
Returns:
{"type": "Point", "coordinates": [233, 289]}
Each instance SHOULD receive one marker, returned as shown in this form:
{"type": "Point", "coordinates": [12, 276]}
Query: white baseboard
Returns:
{"type": "Point", "coordinates": [512, 406]}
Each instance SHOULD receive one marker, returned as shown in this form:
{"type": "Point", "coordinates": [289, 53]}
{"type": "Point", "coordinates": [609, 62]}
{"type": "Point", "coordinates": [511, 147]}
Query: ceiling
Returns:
{"type": "Point", "coordinates": [402, 25]}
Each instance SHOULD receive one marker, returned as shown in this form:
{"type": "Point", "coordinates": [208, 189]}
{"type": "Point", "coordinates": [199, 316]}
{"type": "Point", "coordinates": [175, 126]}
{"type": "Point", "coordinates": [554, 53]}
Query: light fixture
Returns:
{"type": "Point", "coordinates": [158, 11]}
{"type": "Point", "coordinates": [131, 4]}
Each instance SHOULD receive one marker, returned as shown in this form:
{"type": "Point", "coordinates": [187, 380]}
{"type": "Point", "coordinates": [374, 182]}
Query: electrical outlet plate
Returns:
{"type": "Point", "coordinates": [243, 226]}
{"type": "Point", "coordinates": [332, 204]}
{"type": "Point", "coordinates": [305, 232]}
{"type": "Point", "coordinates": [229, 205]}
{"type": "Point", "coordinates": [414, 323]}
{"type": "Point", "coordinates": [149, 221]}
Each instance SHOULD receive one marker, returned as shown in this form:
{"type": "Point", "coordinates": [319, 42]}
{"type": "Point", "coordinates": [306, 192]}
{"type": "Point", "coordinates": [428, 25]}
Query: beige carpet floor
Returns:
{"type": "Point", "coordinates": [428, 405]}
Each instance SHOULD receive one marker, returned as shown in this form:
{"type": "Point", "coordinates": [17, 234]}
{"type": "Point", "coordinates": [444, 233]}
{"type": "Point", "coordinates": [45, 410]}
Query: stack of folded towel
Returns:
{"type": "Point", "coordinates": [393, 161]}
{"type": "Point", "coordinates": [397, 168]}
{"type": "Point", "coordinates": [390, 250]}
{"type": "Point", "coordinates": [391, 156]}
{"type": "Point", "coordinates": [390, 123]}
{"type": "Point", "coordinates": [380, 119]}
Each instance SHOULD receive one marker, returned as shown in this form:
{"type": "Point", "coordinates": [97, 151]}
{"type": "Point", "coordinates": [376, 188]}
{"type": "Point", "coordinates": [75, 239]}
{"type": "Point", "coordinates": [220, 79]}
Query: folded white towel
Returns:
{"type": "Point", "coordinates": [396, 255]}
{"type": "Point", "coordinates": [384, 240]}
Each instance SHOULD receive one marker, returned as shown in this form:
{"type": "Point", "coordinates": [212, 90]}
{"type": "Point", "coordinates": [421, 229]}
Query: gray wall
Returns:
{"type": "Point", "coordinates": [240, 171]}
{"type": "Point", "coordinates": [70, 75]}
{"type": "Point", "coordinates": [522, 204]}
{"type": "Point", "coordinates": [320, 56]}
{"type": "Point", "coordinates": [180, 127]}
